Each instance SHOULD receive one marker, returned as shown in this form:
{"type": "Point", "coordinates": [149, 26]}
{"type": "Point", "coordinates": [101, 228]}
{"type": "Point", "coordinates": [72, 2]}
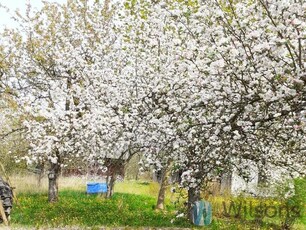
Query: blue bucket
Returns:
{"type": "Point", "coordinates": [93, 188]}
{"type": "Point", "coordinates": [202, 213]}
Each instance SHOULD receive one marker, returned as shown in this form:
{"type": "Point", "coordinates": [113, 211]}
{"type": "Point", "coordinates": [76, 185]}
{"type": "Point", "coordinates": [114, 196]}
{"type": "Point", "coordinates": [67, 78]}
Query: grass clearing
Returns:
{"type": "Point", "coordinates": [132, 206]}
{"type": "Point", "coordinates": [75, 208]}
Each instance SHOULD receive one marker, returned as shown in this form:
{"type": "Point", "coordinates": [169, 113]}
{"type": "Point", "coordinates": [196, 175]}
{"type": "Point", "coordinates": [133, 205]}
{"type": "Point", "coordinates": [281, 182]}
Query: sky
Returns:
{"type": "Point", "coordinates": [5, 17]}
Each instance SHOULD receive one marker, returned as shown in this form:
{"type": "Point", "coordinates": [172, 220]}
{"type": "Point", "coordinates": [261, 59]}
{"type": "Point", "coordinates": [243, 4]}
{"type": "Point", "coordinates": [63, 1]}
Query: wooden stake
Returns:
{"type": "Point", "coordinates": [2, 213]}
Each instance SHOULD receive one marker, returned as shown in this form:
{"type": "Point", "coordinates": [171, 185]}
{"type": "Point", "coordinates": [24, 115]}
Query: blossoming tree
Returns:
{"type": "Point", "coordinates": [207, 85]}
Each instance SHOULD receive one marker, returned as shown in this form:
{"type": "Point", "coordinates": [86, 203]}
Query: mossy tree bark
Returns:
{"type": "Point", "coordinates": [53, 176]}
{"type": "Point", "coordinates": [111, 185]}
{"type": "Point", "coordinates": [163, 186]}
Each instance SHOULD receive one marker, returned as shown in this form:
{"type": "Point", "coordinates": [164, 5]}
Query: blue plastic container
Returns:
{"type": "Point", "coordinates": [93, 188]}
{"type": "Point", "coordinates": [202, 213]}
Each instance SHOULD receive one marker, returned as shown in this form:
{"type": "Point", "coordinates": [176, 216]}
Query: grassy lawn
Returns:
{"type": "Point", "coordinates": [131, 206]}
{"type": "Point", "coordinates": [75, 208]}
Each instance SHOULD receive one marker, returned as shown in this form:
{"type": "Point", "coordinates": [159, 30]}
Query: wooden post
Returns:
{"type": "Point", "coordinates": [2, 213]}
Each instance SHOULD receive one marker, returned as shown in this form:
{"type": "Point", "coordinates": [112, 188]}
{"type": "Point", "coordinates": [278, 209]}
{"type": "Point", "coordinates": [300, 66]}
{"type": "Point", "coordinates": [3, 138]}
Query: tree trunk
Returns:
{"type": "Point", "coordinates": [193, 196]}
{"type": "Point", "coordinates": [53, 182]}
{"type": "Point", "coordinates": [163, 188]}
{"type": "Point", "coordinates": [110, 185]}
{"type": "Point", "coordinates": [137, 174]}
{"type": "Point", "coordinates": [40, 172]}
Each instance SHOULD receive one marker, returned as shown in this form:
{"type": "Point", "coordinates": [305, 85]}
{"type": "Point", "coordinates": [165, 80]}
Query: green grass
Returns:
{"type": "Point", "coordinates": [131, 206]}
{"type": "Point", "coordinates": [138, 187]}
{"type": "Point", "coordinates": [75, 208]}
{"type": "Point", "coordinates": [300, 198]}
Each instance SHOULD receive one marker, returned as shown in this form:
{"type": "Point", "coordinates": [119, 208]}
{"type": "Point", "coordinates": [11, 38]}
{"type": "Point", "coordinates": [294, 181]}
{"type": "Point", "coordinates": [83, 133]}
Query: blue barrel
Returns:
{"type": "Point", "coordinates": [93, 188]}
{"type": "Point", "coordinates": [202, 213]}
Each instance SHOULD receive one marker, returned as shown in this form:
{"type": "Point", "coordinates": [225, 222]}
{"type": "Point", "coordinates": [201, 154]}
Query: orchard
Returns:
{"type": "Point", "coordinates": [199, 88]}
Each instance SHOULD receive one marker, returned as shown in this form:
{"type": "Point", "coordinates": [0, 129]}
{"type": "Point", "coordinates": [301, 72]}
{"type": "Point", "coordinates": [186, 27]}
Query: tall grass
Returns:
{"type": "Point", "coordinates": [29, 183]}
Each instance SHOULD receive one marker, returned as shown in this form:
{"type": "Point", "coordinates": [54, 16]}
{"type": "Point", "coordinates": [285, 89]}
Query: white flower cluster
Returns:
{"type": "Point", "coordinates": [205, 85]}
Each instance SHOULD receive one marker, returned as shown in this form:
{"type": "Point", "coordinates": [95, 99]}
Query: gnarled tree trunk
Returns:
{"type": "Point", "coordinates": [53, 176]}
{"type": "Point", "coordinates": [163, 187]}
{"type": "Point", "coordinates": [110, 185]}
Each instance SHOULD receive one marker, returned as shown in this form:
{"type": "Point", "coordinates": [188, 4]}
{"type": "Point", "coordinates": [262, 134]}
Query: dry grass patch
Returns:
{"type": "Point", "coordinates": [29, 183]}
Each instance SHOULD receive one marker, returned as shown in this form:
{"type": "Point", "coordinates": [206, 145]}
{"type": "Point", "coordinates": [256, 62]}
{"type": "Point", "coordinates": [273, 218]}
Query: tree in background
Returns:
{"type": "Point", "coordinates": [12, 139]}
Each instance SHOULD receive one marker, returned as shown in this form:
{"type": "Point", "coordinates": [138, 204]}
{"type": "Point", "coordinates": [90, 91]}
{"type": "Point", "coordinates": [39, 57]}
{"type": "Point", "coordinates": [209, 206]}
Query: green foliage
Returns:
{"type": "Point", "coordinates": [298, 200]}
{"type": "Point", "coordinates": [12, 141]}
{"type": "Point", "coordinates": [284, 211]}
